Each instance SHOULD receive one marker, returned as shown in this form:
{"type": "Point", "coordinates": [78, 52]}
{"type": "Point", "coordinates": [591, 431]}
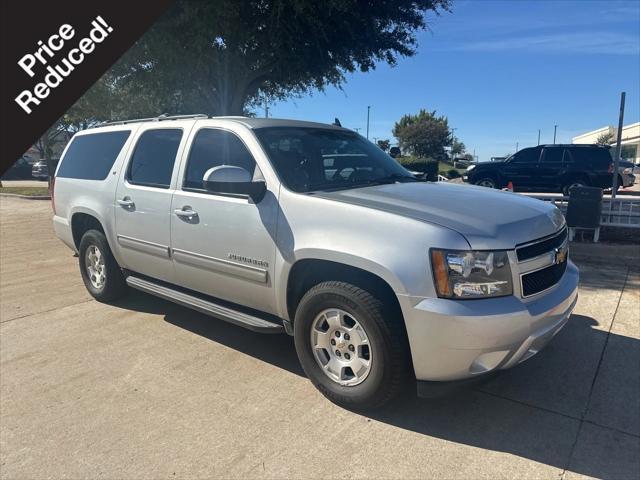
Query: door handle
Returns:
{"type": "Point", "coordinates": [186, 213]}
{"type": "Point", "coordinates": [126, 202]}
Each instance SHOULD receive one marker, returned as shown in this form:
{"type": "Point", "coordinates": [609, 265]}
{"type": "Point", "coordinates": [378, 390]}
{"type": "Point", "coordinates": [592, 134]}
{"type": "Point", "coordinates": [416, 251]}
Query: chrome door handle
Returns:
{"type": "Point", "coordinates": [185, 213]}
{"type": "Point", "coordinates": [126, 202]}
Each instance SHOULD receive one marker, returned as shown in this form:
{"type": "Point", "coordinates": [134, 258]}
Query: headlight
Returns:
{"type": "Point", "coordinates": [471, 274]}
{"type": "Point", "coordinates": [470, 167]}
{"type": "Point", "coordinates": [628, 171]}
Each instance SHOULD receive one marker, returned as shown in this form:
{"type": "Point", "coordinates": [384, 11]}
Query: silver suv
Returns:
{"type": "Point", "coordinates": [309, 229]}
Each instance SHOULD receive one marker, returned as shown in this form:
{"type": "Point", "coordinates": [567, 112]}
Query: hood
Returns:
{"type": "Point", "coordinates": [488, 219]}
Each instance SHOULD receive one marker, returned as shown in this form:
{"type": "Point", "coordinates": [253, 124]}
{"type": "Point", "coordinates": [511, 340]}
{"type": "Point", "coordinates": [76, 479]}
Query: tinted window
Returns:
{"type": "Point", "coordinates": [211, 148]}
{"type": "Point", "coordinates": [590, 157]}
{"type": "Point", "coordinates": [552, 155]}
{"type": "Point", "coordinates": [153, 158]}
{"type": "Point", "coordinates": [90, 157]}
{"type": "Point", "coordinates": [528, 155]}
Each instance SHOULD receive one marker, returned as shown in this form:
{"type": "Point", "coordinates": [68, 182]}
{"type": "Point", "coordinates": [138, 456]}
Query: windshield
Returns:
{"type": "Point", "coordinates": [310, 159]}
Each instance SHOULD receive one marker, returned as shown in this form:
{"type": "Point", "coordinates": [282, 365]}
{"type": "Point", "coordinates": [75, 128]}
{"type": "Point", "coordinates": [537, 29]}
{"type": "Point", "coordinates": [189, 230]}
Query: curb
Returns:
{"type": "Point", "coordinates": [26, 197]}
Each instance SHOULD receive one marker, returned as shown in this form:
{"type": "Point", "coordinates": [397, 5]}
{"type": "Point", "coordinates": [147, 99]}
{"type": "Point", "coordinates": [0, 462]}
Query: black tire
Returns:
{"type": "Point", "coordinates": [488, 182]}
{"type": "Point", "coordinates": [114, 285]}
{"type": "Point", "coordinates": [574, 182]}
{"type": "Point", "coordinates": [390, 364]}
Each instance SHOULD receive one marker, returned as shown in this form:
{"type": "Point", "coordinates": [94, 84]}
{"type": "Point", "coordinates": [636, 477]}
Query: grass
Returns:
{"type": "Point", "coordinates": [26, 191]}
{"type": "Point", "coordinates": [442, 166]}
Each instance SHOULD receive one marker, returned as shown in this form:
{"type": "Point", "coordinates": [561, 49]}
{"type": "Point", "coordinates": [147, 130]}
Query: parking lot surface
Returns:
{"type": "Point", "coordinates": [147, 389]}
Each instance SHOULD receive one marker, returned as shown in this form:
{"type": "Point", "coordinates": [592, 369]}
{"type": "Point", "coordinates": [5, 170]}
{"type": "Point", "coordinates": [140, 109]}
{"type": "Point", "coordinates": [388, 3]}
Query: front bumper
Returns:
{"type": "Point", "coordinates": [458, 339]}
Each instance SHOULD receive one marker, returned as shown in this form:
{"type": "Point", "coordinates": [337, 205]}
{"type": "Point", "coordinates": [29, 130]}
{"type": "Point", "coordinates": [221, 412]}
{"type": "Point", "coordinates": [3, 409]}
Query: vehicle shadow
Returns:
{"type": "Point", "coordinates": [532, 411]}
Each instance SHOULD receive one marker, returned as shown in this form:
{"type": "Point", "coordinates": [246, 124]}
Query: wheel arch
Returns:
{"type": "Point", "coordinates": [308, 272]}
{"type": "Point", "coordinates": [81, 222]}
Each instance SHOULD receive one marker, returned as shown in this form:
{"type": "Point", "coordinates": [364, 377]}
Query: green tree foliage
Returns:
{"type": "Point", "coordinates": [221, 56]}
{"type": "Point", "coordinates": [457, 147]}
{"type": "Point", "coordinates": [605, 138]}
{"type": "Point", "coordinates": [424, 134]}
{"type": "Point", "coordinates": [384, 145]}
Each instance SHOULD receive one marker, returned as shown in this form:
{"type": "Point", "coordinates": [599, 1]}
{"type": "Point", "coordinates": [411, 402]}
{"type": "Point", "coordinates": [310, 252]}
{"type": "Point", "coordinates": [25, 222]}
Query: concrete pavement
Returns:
{"type": "Point", "coordinates": [147, 389]}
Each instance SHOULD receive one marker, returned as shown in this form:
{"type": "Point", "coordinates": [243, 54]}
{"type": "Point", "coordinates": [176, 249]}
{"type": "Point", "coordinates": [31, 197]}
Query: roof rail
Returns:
{"type": "Point", "coordinates": [159, 118]}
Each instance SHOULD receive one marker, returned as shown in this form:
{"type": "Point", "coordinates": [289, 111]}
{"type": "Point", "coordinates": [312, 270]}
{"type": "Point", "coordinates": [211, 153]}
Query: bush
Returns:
{"type": "Point", "coordinates": [453, 173]}
{"type": "Point", "coordinates": [427, 166]}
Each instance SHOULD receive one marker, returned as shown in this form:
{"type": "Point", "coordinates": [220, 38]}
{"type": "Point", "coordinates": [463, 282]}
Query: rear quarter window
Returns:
{"type": "Point", "coordinates": [592, 158]}
{"type": "Point", "coordinates": [90, 157]}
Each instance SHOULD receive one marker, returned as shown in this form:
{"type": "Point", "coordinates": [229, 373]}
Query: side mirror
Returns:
{"type": "Point", "coordinates": [229, 179]}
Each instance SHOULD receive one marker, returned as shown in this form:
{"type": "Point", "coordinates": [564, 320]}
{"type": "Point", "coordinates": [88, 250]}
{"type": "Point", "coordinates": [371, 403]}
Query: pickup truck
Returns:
{"type": "Point", "coordinates": [305, 228]}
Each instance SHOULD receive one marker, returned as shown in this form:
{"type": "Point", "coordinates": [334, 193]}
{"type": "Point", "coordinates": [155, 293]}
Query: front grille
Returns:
{"type": "Point", "coordinates": [539, 281]}
{"type": "Point", "coordinates": [542, 247]}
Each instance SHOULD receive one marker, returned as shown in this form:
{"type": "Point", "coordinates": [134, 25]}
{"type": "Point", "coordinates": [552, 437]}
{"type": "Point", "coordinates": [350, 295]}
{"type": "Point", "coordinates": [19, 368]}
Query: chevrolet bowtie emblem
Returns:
{"type": "Point", "coordinates": [560, 255]}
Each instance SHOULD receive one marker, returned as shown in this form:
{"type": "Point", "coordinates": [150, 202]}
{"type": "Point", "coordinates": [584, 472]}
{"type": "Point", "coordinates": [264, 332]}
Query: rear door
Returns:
{"type": "Point", "coordinates": [143, 201]}
{"type": "Point", "coordinates": [551, 169]}
{"type": "Point", "coordinates": [522, 169]}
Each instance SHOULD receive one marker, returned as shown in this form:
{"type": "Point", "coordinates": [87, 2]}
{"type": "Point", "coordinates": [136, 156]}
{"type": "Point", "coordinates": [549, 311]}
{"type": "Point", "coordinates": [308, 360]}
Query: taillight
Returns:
{"type": "Point", "coordinates": [52, 187]}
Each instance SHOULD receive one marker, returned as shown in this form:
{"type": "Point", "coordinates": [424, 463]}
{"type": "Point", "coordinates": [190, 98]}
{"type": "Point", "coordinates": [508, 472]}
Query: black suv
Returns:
{"type": "Point", "coordinates": [547, 168]}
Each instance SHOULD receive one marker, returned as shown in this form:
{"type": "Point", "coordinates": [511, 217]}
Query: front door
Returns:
{"type": "Point", "coordinates": [223, 245]}
{"type": "Point", "coordinates": [143, 203]}
{"type": "Point", "coordinates": [522, 169]}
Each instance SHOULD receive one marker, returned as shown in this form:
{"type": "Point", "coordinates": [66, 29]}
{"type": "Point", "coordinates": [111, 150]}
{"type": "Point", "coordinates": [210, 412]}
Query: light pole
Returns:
{"type": "Point", "coordinates": [555, 129]}
{"type": "Point", "coordinates": [368, 110]}
{"type": "Point", "coordinates": [538, 136]}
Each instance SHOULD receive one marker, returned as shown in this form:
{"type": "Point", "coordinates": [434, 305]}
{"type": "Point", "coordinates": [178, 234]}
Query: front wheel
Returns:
{"type": "Point", "coordinates": [486, 182]}
{"type": "Point", "coordinates": [352, 348]}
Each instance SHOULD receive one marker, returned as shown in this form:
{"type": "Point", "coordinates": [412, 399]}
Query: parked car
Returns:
{"type": "Point", "coordinates": [547, 168]}
{"type": "Point", "coordinates": [40, 170]}
{"type": "Point", "coordinates": [309, 229]}
{"type": "Point", "coordinates": [21, 170]}
{"type": "Point", "coordinates": [395, 152]}
{"type": "Point", "coordinates": [626, 170]}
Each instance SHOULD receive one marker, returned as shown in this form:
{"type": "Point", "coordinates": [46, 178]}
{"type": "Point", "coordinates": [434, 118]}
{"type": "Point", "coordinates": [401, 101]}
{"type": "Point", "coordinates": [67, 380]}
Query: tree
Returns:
{"type": "Point", "coordinates": [424, 134]}
{"type": "Point", "coordinates": [605, 138]}
{"type": "Point", "coordinates": [384, 145]}
{"type": "Point", "coordinates": [218, 57]}
{"type": "Point", "coordinates": [457, 147]}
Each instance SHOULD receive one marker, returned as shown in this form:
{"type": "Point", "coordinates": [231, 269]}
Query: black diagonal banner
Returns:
{"type": "Point", "coordinates": [52, 52]}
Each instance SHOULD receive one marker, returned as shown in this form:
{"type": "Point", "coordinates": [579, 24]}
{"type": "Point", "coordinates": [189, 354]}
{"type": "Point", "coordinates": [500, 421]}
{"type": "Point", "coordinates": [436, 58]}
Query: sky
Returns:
{"type": "Point", "coordinates": [499, 70]}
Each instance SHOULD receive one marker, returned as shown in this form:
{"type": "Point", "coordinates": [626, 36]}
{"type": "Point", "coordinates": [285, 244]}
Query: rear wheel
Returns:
{"type": "Point", "coordinates": [100, 271]}
{"type": "Point", "coordinates": [576, 182]}
{"type": "Point", "coordinates": [351, 347]}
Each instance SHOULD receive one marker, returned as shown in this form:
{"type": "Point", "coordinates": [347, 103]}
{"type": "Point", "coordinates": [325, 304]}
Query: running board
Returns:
{"type": "Point", "coordinates": [207, 307]}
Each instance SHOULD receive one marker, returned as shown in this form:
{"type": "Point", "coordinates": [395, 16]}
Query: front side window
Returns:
{"type": "Point", "coordinates": [153, 158]}
{"type": "Point", "coordinates": [308, 159]}
{"type": "Point", "coordinates": [211, 148]}
{"type": "Point", "coordinates": [527, 155]}
{"type": "Point", "coordinates": [91, 156]}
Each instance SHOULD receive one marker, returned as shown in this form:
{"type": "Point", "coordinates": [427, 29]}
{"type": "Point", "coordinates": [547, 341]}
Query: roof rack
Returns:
{"type": "Point", "coordinates": [159, 118]}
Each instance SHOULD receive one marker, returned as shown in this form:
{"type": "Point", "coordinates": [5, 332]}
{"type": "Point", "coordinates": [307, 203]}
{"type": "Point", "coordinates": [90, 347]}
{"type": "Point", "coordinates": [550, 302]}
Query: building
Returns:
{"type": "Point", "coordinates": [630, 140]}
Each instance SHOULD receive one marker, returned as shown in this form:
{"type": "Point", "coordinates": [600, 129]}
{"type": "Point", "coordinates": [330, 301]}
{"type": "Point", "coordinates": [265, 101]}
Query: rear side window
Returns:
{"type": "Point", "coordinates": [599, 158]}
{"type": "Point", "coordinates": [552, 155]}
{"type": "Point", "coordinates": [211, 148]}
{"type": "Point", "coordinates": [152, 162]}
{"type": "Point", "coordinates": [90, 157]}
